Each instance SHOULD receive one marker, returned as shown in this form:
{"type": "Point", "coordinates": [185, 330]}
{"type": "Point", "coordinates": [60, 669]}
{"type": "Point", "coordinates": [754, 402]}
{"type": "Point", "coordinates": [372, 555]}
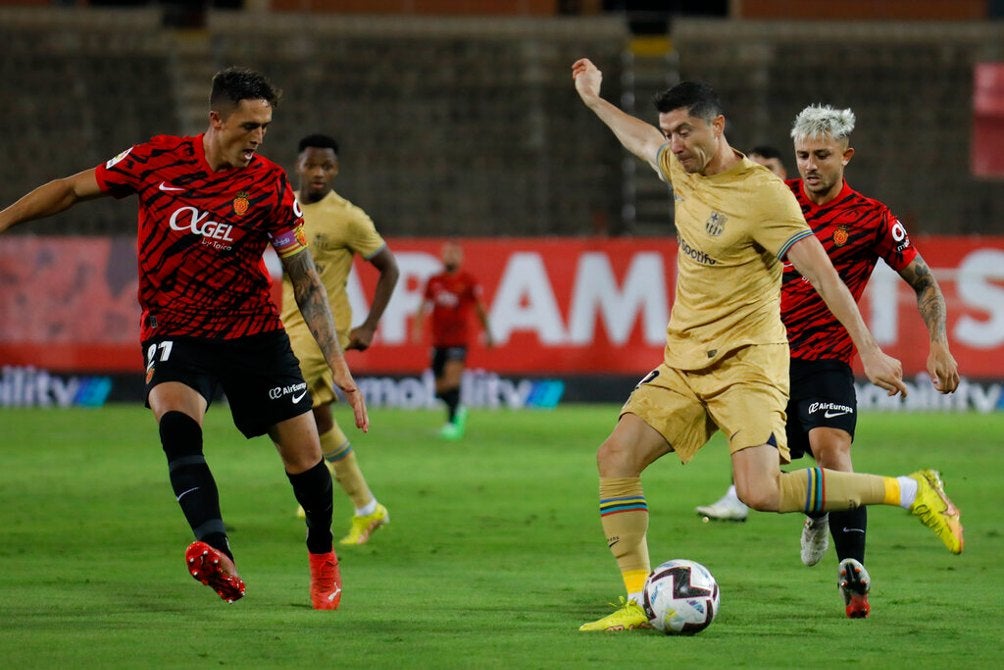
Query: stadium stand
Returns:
{"type": "Point", "coordinates": [470, 125]}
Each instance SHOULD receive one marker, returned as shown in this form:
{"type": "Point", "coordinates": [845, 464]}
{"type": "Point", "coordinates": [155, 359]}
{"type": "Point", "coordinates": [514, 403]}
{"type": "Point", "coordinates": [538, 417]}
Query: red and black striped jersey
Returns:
{"type": "Point", "coordinates": [201, 236]}
{"type": "Point", "coordinates": [856, 231]}
{"type": "Point", "coordinates": [453, 296]}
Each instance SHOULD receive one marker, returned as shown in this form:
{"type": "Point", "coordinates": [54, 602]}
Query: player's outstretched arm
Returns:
{"type": "Point", "coordinates": [386, 264]}
{"type": "Point", "coordinates": [640, 138]}
{"type": "Point", "coordinates": [810, 259]}
{"type": "Point", "coordinates": [941, 364]}
{"type": "Point", "coordinates": [312, 300]}
{"type": "Point", "coordinates": [51, 198]}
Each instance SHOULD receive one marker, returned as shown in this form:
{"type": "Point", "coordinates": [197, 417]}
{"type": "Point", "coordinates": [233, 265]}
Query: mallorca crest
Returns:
{"type": "Point", "coordinates": [840, 236]}
{"type": "Point", "coordinates": [715, 224]}
{"type": "Point", "coordinates": [241, 203]}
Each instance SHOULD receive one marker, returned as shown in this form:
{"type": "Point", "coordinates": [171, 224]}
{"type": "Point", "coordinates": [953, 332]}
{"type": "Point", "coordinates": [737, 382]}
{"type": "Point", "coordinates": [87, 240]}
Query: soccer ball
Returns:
{"type": "Point", "coordinates": [680, 597]}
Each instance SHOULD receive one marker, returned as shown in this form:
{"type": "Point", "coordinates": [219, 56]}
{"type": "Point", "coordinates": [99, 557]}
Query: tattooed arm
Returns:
{"type": "Point", "coordinates": [312, 300]}
{"type": "Point", "coordinates": [941, 364]}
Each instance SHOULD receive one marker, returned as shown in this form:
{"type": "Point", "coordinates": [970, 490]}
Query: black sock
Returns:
{"type": "Point", "coordinates": [848, 529]}
{"type": "Point", "coordinates": [452, 399]}
{"type": "Point", "coordinates": [313, 491]}
{"type": "Point", "coordinates": [191, 479]}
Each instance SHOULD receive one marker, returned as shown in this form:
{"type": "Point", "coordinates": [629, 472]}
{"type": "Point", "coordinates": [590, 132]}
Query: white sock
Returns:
{"type": "Point", "coordinates": [636, 597]}
{"type": "Point", "coordinates": [731, 493]}
{"type": "Point", "coordinates": [907, 491]}
{"type": "Point", "coordinates": [368, 508]}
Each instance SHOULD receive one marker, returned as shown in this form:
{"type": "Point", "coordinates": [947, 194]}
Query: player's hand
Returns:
{"type": "Point", "coordinates": [588, 79]}
{"type": "Point", "coordinates": [354, 397]}
{"type": "Point", "coordinates": [943, 369]}
{"type": "Point", "coordinates": [361, 338]}
{"type": "Point", "coordinates": [884, 371]}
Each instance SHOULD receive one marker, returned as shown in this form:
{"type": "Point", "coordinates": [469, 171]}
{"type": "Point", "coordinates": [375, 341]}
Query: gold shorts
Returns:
{"type": "Point", "coordinates": [314, 368]}
{"type": "Point", "coordinates": [744, 394]}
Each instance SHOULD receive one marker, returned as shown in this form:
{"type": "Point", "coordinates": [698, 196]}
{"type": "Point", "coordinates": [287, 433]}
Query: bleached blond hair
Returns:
{"type": "Point", "coordinates": [817, 121]}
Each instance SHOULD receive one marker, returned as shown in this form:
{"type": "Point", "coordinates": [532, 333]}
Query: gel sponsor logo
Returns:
{"type": "Point", "coordinates": [31, 387]}
{"type": "Point", "coordinates": [213, 233]}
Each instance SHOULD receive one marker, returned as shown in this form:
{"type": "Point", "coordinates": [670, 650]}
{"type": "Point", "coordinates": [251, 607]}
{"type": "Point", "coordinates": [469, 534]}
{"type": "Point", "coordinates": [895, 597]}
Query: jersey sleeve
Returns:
{"type": "Point", "coordinates": [286, 234]}
{"type": "Point", "coordinates": [893, 243]}
{"type": "Point", "coordinates": [363, 237]}
{"type": "Point", "coordinates": [119, 176]}
{"type": "Point", "coordinates": [782, 221]}
{"type": "Point", "coordinates": [663, 159]}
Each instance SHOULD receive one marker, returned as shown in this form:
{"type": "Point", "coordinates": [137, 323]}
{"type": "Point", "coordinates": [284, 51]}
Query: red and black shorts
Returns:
{"type": "Point", "coordinates": [440, 355]}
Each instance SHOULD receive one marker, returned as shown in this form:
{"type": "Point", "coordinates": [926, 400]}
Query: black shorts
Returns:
{"type": "Point", "coordinates": [822, 394]}
{"type": "Point", "coordinates": [259, 375]}
{"type": "Point", "coordinates": [440, 355]}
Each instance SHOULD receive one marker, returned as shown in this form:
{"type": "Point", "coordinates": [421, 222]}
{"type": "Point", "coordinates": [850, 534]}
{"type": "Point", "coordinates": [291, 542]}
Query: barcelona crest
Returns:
{"type": "Point", "coordinates": [715, 224]}
{"type": "Point", "coordinates": [241, 203]}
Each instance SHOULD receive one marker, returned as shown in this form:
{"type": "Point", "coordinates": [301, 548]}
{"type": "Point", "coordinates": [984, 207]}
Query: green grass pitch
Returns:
{"type": "Point", "coordinates": [493, 558]}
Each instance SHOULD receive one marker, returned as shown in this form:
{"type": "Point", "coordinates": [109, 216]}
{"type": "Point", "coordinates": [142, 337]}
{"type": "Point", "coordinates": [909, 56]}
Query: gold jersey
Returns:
{"type": "Point", "coordinates": [732, 229]}
{"type": "Point", "coordinates": [335, 230]}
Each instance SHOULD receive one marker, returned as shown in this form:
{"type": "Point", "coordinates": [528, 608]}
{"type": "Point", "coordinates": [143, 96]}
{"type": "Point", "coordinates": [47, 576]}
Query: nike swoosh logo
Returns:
{"type": "Point", "coordinates": [829, 415]}
{"type": "Point", "coordinates": [164, 187]}
{"type": "Point", "coordinates": [853, 530]}
{"type": "Point", "coordinates": [185, 493]}
{"type": "Point", "coordinates": [334, 594]}
{"type": "Point", "coordinates": [298, 398]}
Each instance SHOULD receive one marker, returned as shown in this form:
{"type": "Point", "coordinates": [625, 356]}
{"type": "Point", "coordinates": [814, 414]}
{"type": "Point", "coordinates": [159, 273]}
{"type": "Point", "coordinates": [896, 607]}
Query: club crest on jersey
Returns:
{"type": "Point", "coordinates": [241, 203]}
{"type": "Point", "coordinates": [715, 224]}
{"type": "Point", "coordinates": [840, 236]}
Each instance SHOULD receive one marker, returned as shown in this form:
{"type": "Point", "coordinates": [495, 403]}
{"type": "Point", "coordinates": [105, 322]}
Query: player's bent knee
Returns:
{"type": "Point", "coordinates": [759, 500]}
{"type": "Point", "coordinates": [180, 435]}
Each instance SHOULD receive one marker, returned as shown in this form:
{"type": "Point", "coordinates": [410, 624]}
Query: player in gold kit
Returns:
{"type": "Point", "coordinates": [725, 365]}
{"type": "Point", "coordinates": [336, 230]}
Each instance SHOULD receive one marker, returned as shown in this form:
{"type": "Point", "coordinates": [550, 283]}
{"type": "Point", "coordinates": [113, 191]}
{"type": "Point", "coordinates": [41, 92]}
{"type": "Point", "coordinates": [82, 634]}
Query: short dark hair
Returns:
{"type": "Point", "coordinates": [234, 84]}
{"type": "Point", "coordinates": [766, 151]}
{"type": "Point", "coordinates": [318, 141]}
{"type": "Point", "coordinates": [697, 98]}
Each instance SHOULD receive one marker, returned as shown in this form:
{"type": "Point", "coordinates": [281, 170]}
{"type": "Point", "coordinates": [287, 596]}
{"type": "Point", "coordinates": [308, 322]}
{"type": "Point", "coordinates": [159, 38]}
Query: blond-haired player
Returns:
{"type": "Point", "coordinates": [726, 359]}
{"type": "Point", "coordinates": [336, 230]}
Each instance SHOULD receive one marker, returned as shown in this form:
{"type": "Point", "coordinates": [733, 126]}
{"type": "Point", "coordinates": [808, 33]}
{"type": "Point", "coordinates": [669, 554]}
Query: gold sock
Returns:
{"type": "Point", "coordinates": [341, 458]}
{"type": "Point", "coordinates": [624, 516]}
{"type": "Point", "coordinates": [814, 490]}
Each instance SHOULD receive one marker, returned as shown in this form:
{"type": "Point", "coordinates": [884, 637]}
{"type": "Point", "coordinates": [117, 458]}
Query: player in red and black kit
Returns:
{"type": "Point", "coordinates": [856, 232]}
{"type": "Point", "coordinates": [209, 206]}
{"type": "Point", "coordinates": [450, 296]}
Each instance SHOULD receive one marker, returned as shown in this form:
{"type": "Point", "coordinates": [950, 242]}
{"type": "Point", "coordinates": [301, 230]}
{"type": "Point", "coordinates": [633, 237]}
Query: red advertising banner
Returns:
{"type": "Point", "coordinates": [558, 307]}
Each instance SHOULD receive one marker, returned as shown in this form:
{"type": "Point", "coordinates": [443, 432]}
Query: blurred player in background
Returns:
{"type": "Point", "coordinates": [726, 359]}
{"type": "Point", "coordinates": [729, 507]}
{"type": "Point", "coordinates": [856, 232]}
{"type": "Point", "coordinates": [449, 297]}
{"type": "Point", "coordinates": [770, 158]}
{"type": "Point", "coordinates": [209, 205]}
{"type": "Point", "coordinates": [336, 230]}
